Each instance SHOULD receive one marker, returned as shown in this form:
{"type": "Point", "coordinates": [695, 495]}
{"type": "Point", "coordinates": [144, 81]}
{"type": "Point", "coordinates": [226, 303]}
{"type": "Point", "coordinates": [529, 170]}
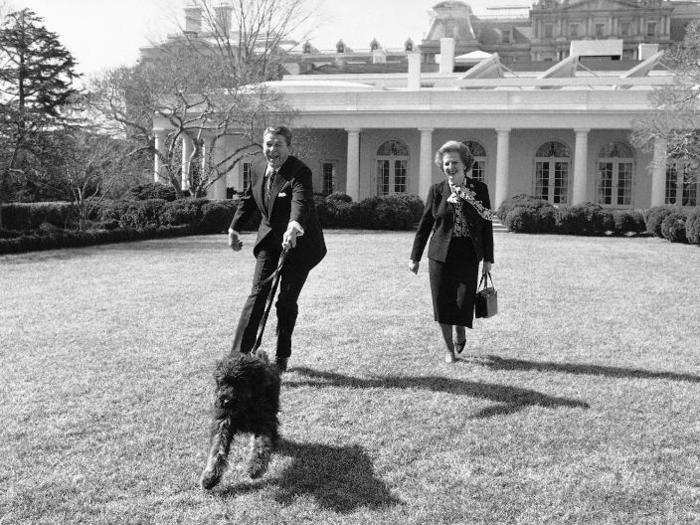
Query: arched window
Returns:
{"type": "Point", "coordinates": [392, 163]}
{"type": "Point", "coordinates": [479, 154]}
{"type": "Point", "coordinates": [552, 172]}
{"type": "Point", "coordinates": [681, 183]}
{"type": "Point", "coordinates": [615, 174]}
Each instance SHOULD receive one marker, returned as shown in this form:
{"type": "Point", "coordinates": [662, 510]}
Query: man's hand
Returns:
{"type": "Point", "coordinates": [233, 241]}
{"type": "Point", "coordinates": [413, 266]}
{"type": "Point", "coordinates": [289, 239]}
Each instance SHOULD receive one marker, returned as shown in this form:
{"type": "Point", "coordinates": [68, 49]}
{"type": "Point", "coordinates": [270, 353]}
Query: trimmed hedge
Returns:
{"type": "Point", "coordinates": [390, 212]}
{"type": "Point", "coordinates": [655, 216]}
{"type": "Point", "coordinates": [526, 214]}
{"type": "Point", "coordinates": [692, 226]}
{"type": "Point", "coordinates": [673, 227]}
{"type": "Point", "coordinates": [65, 239]}
{"type": "Point", "coordinates": [29, 215]}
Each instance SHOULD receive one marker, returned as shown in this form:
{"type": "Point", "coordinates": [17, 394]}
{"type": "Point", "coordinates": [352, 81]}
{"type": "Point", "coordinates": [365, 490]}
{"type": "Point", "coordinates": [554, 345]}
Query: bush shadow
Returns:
{"type": "Point", "coordinates": [508, 399]}
{"type": "Point", "coordinates": [341, 479]}
{"type": "Point", "coordinates": [499, 363]}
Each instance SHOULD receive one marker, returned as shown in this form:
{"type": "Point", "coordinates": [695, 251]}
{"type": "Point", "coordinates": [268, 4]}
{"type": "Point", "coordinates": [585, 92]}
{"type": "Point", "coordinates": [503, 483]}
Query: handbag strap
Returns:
{"type": "Point", "coordinates": [484, 282]}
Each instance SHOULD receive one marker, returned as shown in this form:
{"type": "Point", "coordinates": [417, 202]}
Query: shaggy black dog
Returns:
{"type": "Point", "coordinates": [247, 401]}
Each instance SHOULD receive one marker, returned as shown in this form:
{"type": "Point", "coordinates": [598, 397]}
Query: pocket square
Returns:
{"type": "Point", "coordinates": [281, 194]}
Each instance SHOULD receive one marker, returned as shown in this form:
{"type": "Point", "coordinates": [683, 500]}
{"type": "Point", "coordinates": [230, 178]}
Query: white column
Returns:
{"type": "Point", "coordinates": [502, 166]}
{"type": "Point", "coordinates": [580, 166]}
{"type": "Point", "coordinates": [658, 173]}
{"type": "Point", "coordinates": [413, 70]}
{"type": "Point", "coordinates": [425, 169]}
{"type": "Point", "coordinates": [158, 168]}
{"type": "Point", "coordinates": [352, 180]}
{"type": "Point", "coordinates": [187, 149]}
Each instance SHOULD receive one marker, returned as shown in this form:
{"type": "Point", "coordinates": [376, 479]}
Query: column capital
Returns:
{"type": "Point", "coordinates": [426, 130]}
{"type": "Point", "coordinates": [353, 130]}
{"type": "Point", "coordinates": [581, 130]}
{"type": "Point", "coordinates": [501, 131]}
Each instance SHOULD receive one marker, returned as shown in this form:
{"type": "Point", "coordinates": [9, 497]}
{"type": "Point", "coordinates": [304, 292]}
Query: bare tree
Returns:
{"type": "Point", "coordinates": [675, 114]}
{"type": "Point", "coordinates": [205, 87]}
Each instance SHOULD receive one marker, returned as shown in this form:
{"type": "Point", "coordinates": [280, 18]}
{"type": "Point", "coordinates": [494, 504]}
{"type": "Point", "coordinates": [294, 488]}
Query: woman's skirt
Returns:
{"type": "Point", "coordinates": [453, 284]}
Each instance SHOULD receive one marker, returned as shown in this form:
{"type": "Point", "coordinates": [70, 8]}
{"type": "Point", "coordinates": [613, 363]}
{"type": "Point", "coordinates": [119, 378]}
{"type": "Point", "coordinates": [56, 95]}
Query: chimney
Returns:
{"type": "Point", "coordinates": [222, 13]}
{"type": "Point", "coordinates": [193, 19]}
{"type": "Point", "coordinates": [447, 55]}
{"type": "Point", "coordinates": [644, 51]}
{"type": "Point", "coordinates": [414, 58]}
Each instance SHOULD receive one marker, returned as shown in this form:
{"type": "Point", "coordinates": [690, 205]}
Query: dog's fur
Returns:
{"type": "Point", "coordinates": [247, 401]}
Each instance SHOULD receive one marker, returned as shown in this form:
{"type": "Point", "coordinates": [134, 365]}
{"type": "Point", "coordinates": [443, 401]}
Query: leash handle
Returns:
{"type": "Point", "coordinates": [275, 278]}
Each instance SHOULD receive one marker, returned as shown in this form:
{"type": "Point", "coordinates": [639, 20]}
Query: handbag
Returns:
{"type": "Point", "coordinates": [486, 300]}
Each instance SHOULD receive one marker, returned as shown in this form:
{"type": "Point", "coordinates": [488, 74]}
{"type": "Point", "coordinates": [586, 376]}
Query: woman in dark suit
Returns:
{"type": "Point", "coordinates": [456, 213]}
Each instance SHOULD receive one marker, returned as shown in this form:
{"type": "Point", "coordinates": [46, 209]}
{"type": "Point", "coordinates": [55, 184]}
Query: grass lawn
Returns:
{"type": "Point", "coordinates": [577, 403]}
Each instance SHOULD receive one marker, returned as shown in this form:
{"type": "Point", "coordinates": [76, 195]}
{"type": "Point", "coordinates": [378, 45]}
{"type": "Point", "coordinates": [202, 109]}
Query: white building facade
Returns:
{"type": "Point", "coordinates": [562, 134]}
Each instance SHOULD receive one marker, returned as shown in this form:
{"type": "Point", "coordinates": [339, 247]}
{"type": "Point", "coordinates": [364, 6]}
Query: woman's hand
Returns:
{"type": "Point", "coordinates": [413, 266]}
{"type": "Point", "coordinates": [486, 267]}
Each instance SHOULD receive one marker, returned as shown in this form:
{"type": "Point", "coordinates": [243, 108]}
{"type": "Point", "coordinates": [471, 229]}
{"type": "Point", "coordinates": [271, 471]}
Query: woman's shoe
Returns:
{"type": "Point", "coordinates": [459, 346]}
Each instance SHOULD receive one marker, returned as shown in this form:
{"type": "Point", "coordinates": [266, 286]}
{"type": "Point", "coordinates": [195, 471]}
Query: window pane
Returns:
{"type": "Point", "coordinates": [605, 172]}
{"type": "Point", "coordinates": [400, 176]}
{"type": "Point", "coordinates": [328, 169]}
{"type": "Point", "coordinates": [690, 187]}
{"type": "Point", "coordinates": [247, 175]}
{"type": "Point", "coordinates": [671, 181]}
{"type": "Point", "coordinates": [624, 184]}
{"type": "Point", "coordinates": [542, 180]}
{"type": "Point", "coordinates": [382, 177]}
{"type": "Point", "coordinates": [561, 182]}
{"type": "Point", "coordinates": [478, 170]}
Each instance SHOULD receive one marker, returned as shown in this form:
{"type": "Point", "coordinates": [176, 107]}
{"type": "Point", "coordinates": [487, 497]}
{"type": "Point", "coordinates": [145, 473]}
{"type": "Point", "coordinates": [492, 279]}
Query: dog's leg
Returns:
{"type": "Point", "coordinates": [261, 447]}
{"type": "Point", "coordinates": [220, 444]}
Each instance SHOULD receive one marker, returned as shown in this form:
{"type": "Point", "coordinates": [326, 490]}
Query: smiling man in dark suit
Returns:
{"type": "Point", "coordinates": [282, 191]}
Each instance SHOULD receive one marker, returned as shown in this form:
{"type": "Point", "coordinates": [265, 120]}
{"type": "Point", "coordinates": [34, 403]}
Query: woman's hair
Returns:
{"type": "Point", "coordinates": [280, 130]}
{"type": "Point", "coordinates": [452, 146]}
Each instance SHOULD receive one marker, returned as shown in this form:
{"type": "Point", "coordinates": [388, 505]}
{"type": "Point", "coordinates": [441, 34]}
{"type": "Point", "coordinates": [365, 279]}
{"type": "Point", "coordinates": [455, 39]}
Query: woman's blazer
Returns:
{"type": "Point", "coordinates": [438, 217]}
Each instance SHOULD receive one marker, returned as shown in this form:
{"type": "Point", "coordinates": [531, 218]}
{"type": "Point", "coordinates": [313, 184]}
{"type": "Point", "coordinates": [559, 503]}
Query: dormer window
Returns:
{"type": "Point", "coordinates": [651, 28]}
{"type": "Point", "coordinates": [573, 30]}
{"type": "Point", "coordinates": [548, 30]}
{"type": "Point", "coordinates": [600, 30]}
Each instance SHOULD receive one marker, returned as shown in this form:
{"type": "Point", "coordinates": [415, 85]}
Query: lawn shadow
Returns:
{"type": "Point", "coordinates": [341, 479]}
{"type": "Point", "coordinates": [509, 399]}
{"type": "Point", "coordinates": [500, 363]}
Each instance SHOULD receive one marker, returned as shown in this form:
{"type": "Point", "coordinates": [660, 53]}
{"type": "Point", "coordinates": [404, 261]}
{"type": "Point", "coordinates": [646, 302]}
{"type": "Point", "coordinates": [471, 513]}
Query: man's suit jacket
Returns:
{"type": "Point", "coordinates": [291, 199]}
{"type": "Point", "coordinates": [438, 217]}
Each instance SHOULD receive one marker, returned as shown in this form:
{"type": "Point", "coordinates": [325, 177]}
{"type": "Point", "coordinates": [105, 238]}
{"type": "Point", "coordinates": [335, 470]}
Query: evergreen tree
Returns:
{"type": "Point", "coordinates": [36, 87]}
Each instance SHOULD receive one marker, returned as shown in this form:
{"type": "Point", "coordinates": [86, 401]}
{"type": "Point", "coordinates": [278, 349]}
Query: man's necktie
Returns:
{"type": "Point", "coordinates": [268, 185]}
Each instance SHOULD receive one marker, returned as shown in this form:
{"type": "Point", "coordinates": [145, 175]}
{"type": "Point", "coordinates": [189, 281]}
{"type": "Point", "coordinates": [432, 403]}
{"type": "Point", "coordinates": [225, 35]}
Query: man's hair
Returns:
{"type": "Point", "coordinates": [280, 130]}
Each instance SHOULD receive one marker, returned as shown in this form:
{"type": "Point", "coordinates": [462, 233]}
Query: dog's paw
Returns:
{"type": "Point", "coordinates": [259, 456]}
{"type": "Point", "coordinates": [213, 472]}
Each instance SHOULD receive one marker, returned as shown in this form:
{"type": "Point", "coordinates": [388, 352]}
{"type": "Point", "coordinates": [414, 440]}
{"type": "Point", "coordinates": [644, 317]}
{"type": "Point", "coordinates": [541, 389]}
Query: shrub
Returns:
{"type": "Point", "coordinates": [628, 221]}
{"type": "Point", "coordinates": [414, 203]}
{"type": "Point", "coordinates": [153, 190]}
{"type": "Point", "coordinates": [338, 196]}
{"type": "Point", "coordinates": [584, 219]}
{"type": "Point", "coordinates": [64, 239]}
{"type": "Point", "coordinates": [522, 219]}
{"type": "Point", "coordinates": [673, 227]}
{"type": "Point", "coordinates": [217, 215]}
{"type": "Point", "coordinates": [692, 226]}
{"type": "Point", "coordinates": [29, 215]}
{"type": "Point", "coordinates": [183, 211]}
{"type": "Point", "coordinates": [519, 200]}
{"type": "Point", "coordinates": [655, 216]}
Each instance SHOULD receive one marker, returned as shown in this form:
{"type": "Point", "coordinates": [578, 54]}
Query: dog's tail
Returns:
{"type": "Point", "coordinates": [217, 463]}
